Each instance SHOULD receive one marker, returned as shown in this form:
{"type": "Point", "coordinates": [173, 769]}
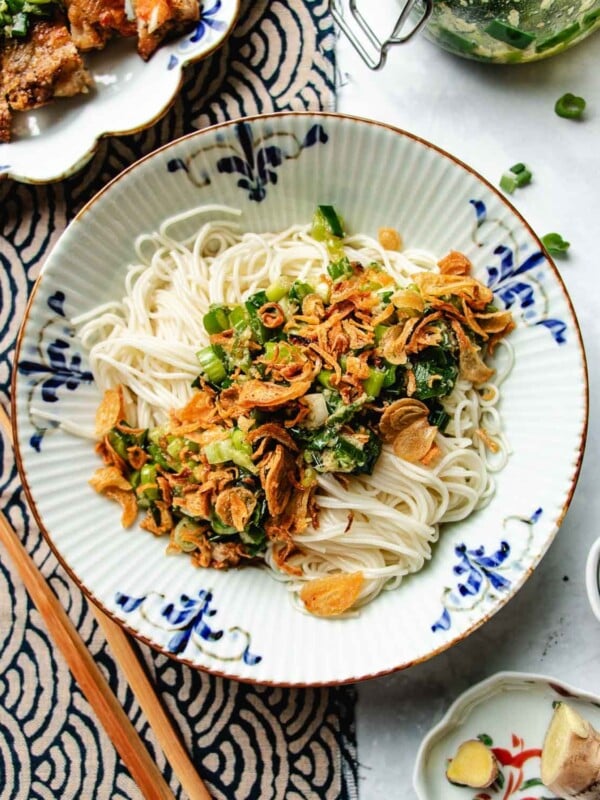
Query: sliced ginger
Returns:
{"type": "Point", "coordinates": [571, 756]}
{"type": "Point", "coordinates": [473, 765]}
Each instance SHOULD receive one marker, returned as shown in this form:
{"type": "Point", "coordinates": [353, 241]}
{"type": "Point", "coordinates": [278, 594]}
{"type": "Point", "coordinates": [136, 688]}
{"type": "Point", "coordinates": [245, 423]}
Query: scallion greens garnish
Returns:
{"type": "Point", "coordinates": [515, 178]}
{"type": "Point", "coordinates": [570, 106]}
{"type": "Point", "coordinates": [504, 32]}
{"type": "Point", "coordinates": [555, 244]}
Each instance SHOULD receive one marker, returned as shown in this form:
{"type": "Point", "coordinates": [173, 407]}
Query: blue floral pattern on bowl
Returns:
{"type": "Point", "coordinates": [514, 281]}
{"type": "Point", "coordinates": [187, 618]}
{"type": "Point", "coordinates": [254, 160]}
{"type": "Point", "coordinates": [481, 574]}
{"type": "Point", "coordinates": [54, 364]}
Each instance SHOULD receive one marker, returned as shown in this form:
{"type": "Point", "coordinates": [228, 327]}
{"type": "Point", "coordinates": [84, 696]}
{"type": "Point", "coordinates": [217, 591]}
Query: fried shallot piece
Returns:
{"type": "Point", "coordinates": [93, 22]}
{"type": "Point", "coordinates": [332, 594]}
{"type": "Point", "coordinates": [158, 19]}
{"type": "Point", "coordinates": [41, 67]}
{"type": "Point", "coordinates": [405, 424]}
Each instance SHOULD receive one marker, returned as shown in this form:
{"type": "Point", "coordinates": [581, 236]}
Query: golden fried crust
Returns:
{"type": "Point", "coordinates": [158, 19]}
{"type": "Point", "coordinates": [43, 66]}
{"type": "Point", "coordinates": [5, 119]}
{"type": "Point", "coordinates": [93, 22]}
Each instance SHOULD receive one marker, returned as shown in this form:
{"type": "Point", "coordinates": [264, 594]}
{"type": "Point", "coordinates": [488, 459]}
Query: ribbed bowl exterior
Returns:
{"type": "Point", "coordinates": [375, 175]}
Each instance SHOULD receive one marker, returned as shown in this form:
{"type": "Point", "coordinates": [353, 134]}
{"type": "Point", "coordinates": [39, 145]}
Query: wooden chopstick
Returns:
{"type": "Point", "coordinates": [114, 720]}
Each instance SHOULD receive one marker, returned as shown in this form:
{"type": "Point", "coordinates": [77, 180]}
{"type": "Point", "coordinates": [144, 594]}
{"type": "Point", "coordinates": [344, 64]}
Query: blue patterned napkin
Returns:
{"type": "Point", "coordinates": [247, 741]}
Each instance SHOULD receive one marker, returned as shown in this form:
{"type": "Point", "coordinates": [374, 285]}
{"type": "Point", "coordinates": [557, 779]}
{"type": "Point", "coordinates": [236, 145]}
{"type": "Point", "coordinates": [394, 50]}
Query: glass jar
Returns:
{"type": "Point", "coordinates": [511, 31]}
{"type": "Point", "coordinates": [500, 31]}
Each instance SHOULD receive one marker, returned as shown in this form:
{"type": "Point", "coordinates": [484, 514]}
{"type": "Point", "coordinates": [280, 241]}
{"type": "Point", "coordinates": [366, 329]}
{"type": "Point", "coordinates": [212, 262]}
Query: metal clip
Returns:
{"type": "Point", "coordinates": [377, 60]}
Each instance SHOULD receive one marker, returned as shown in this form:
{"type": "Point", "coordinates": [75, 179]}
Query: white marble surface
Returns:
{"type": "Point", "coordinates": [491, 117]}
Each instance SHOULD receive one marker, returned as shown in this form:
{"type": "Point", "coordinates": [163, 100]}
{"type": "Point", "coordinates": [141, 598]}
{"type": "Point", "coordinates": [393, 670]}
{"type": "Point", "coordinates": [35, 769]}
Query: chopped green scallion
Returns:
{"type": "Point", "coordinates": [515, 178]}
{"type": "Point", "coordinates": [557, 38]}
{"type": "Point", "coordinates": [374, 383]}
{"type": "Point", "coordinates": [455, 41]}
{"type": "Point", "coordinates": [234, 449]}
{"type": "Point", "coordinates": [555, 244]}
{"type": "Point", "coordinates": [299, 290]}
{"type": "Point", "coordinates": [570, 106]}
{"type": "Point", "coordinates": [338, 270]}
{"type": "Point", "coordinates": [504, 32]}
{"type": "Point", "coordinates": [216, 320]}
{"type": "Point", "coordinates": [238, 317]}
{"type": "Point", "coordinates": [324, 378]}
{"type": "Point", "coordinates": [278, 290]}
{"type": "Point", "coordinates": [211, 365]}
{"type": "Point", "coordinates": [327, 219]}
{"type": "Point", "coordinates": [591, 17]}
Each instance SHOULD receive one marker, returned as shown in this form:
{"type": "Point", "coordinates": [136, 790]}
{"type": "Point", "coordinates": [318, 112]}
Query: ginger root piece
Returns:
{"type": "Point", "coordinates": [473, 765]}
{"type": "Point", "coordinates": [571, 756]}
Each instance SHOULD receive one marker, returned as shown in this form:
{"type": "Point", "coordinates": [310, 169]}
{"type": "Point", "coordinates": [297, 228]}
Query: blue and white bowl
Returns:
{"type": "Point", "coordinates": [276, 169]}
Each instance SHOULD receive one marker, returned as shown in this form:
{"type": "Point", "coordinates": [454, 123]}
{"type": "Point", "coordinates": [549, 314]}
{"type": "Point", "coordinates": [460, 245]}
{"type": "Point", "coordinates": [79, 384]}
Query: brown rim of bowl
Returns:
{"type": "Point", "coordinates": [91, 152]}
{"type": "Point", "coordinates": [356, 678]}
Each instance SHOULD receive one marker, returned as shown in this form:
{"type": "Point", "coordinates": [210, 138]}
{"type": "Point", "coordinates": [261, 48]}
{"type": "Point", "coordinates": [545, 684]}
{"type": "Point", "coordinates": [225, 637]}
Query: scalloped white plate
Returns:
{"type": "Point", "coordinates": [127, 95]}
{"type": "Point", "coordinates": [276, 169]}
{"type": "Point", "coordinates": [511, 711]}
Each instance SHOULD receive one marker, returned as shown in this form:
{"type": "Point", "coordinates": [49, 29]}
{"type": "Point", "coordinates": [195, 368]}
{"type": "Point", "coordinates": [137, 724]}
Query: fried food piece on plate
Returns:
{"type": "Point", "coordinates": [5, 117]}
{"type": "Point", "coordinates": [93, 22]}
{"type": "Point", "coordinates": [42, 66]}
{"type": "Point", "coordinates": [158, 19]}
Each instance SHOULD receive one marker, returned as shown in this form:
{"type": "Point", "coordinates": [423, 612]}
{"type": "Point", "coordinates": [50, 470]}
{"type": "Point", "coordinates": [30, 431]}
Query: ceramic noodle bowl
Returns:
{"type": "Point", "coordinates": [274, 168]}
{"type": "Point", "coordinates": [509, 32]}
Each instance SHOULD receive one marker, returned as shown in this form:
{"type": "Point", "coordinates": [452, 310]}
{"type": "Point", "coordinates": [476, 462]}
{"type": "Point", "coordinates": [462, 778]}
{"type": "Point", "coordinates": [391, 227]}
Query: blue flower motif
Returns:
{"type": "Point", "coordinates": [511, 281]}
{"type": "Point", "coordinates": [62, 372]}
{"type": "Point", "coordinates": [257, 165]}
{"type": "Point", "coordinates": [207, 20]}
{"type": "Point", "coordinates": [479, 571]}
{"type": "Point", "coordinates": [254, 161]}
{"type": "Point", "coordinates": [188, 617]}
{"type": "Point", "coordinates": [56, 302]}
{"type": "Point", "coordinates": [57, 367]}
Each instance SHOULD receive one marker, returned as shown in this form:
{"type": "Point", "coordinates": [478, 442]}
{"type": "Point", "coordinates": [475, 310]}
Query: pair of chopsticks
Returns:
{"type": "Point", "coordinates": [109, 711]}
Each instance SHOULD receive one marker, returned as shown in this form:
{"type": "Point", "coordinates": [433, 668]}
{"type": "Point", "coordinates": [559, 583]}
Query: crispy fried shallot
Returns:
{"type": "Point", "coordinates": [110, 411]}
{"type": "Point", "coordinates": [263, 394]}
{"type": "Point", "coordinates": [109, 478]}
{"type": "Point", "coordinates": [405, 424]}
{"type": "Point", "coordinates": [271, 315]}
{"type": "Point", "coordinates": [434, 284]}
{"type": "Point", "coordinates": [333, 594]}
{"type": "Point", "coordinates": [127, 501]}
{"type": "Point", "coordinates": [472, 367]}
{"type": "Point", "coordinates": [455, 263]}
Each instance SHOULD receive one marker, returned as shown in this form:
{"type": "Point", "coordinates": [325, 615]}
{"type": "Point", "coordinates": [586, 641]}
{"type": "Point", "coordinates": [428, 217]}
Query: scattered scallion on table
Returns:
{"type": "Point", "coordinates": [515, 178]}
{"type": "Point", "coordinates": [555, 244]}
{"type": "Point", "coordinates": [570, 106]}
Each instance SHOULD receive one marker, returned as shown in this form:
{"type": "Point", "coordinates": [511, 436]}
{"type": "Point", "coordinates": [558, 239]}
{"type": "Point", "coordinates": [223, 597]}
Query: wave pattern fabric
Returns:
{"type": "Point", "coordinates": [247, 741]}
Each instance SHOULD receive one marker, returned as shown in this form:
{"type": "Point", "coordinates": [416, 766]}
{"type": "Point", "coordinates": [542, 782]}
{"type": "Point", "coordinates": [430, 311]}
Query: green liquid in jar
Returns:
{"type": "Point", "coordinates": [511, 31]}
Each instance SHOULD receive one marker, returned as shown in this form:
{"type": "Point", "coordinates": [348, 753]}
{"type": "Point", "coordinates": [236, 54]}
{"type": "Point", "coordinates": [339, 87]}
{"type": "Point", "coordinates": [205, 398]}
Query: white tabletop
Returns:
{"type": "Point", "coordinates": [492, 117]}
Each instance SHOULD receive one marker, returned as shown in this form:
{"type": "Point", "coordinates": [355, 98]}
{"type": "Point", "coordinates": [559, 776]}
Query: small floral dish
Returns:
{"type": "Point", "coordinates": [127, 96]}
{"type": "Point", "coordinates": [592, 577]}
{"type": "Point", "coordinates": [275, 169]}
{"type": "Point", "coordinates": [510, 712]}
